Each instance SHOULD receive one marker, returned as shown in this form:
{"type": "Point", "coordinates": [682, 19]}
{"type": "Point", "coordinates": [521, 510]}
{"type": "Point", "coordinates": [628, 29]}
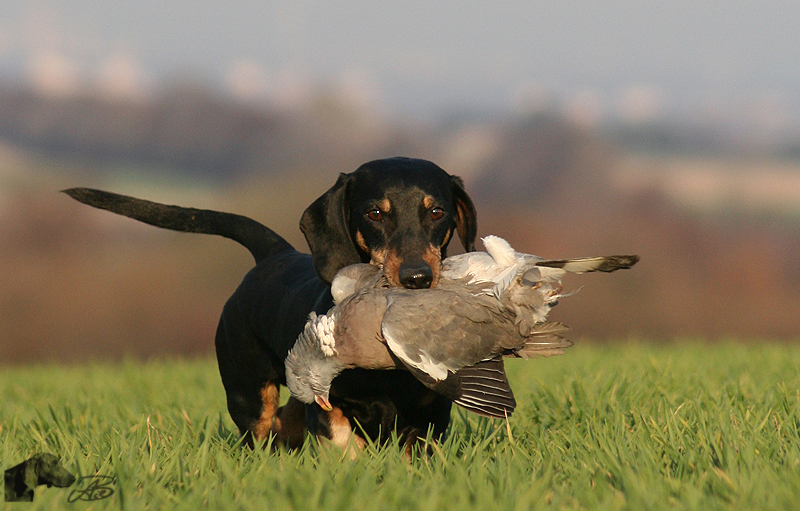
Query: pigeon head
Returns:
{"type": "Point", "coordinates": [311, 365]}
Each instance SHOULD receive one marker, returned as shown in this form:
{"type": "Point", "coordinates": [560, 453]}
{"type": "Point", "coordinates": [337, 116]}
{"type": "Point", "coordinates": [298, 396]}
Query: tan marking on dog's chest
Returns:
{"type": "Point", "coordinates": [342, 435]}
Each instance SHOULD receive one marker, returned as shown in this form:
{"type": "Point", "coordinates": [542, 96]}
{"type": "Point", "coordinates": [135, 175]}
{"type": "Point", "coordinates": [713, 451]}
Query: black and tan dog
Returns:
{"type": "Point", "coordinates": [398, 213]}
{"type": "Point", "coordinates": [43, 468]}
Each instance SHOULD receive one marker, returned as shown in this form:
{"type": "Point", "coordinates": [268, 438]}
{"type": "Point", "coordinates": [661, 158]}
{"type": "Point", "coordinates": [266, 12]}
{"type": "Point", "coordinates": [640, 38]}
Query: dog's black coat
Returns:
{"type": "Point", "coordinates": [43, 468]}
{"type": "Point", "coordinates": [397, 212]}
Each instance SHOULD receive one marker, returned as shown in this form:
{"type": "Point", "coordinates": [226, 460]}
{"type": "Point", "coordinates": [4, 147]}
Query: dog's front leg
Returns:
{"type": "Point", "coordinates": [288, 426]}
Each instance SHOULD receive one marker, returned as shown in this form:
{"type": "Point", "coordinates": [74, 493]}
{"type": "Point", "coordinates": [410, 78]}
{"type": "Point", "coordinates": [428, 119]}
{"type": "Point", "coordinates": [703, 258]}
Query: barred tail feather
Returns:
{"type": "Point", "coordinates": [590, 264]}
{"type": "Point", "coordinates": [546, 340]}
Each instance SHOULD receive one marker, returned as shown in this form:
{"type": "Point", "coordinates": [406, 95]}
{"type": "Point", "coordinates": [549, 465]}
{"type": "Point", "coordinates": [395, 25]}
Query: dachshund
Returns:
{"type": "Point", "coordinates": [397, 213]}
{"type": "Point", "coordinates": [43, 468]}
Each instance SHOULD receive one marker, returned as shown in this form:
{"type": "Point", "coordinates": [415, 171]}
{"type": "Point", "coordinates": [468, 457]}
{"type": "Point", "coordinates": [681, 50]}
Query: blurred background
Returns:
{"type": "Point", "coordinates": [671, 130]}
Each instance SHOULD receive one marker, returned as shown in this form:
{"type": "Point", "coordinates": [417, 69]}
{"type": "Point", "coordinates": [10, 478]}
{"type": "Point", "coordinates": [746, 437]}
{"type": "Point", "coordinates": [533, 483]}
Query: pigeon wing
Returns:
{"type": "Point", "coordinates": [482, 388]}
{"type": "Point", "coordinates": [485, 389]}
{"type": "Point", "coordinates": [440, 331]}
{"type": "Point", "coordinates": [450, 387]}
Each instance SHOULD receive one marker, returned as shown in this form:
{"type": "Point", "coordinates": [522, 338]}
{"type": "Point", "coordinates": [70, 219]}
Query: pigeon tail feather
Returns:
{"type": "Point", "coordinates": [545, 340]}
{"type": "Point", "coordinates": [590, 264]}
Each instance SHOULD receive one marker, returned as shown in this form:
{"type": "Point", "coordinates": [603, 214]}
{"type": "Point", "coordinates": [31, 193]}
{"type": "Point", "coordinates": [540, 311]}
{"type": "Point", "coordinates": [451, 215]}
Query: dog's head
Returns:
{"type": "Point", "coordinates": [399, 213]}
{"type": "Point", "coordinates": [42, 468]}
{"type": "Point", "coordinates": [46, 469]}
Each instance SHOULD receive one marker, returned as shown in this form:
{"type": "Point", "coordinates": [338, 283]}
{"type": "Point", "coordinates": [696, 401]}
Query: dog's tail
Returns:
{"type": "Point", "coordinates": [255, 237]}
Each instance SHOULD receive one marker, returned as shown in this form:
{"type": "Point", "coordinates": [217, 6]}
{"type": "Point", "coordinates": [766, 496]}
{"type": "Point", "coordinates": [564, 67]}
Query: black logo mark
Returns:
{"type": "Point", "coordinates": [98, 488]}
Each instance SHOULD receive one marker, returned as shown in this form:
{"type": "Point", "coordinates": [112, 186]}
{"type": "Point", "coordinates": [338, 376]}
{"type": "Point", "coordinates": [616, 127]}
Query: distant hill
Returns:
{"type": "Point", "coordinates": [718, 235]}
{"type": "Point", "coordinates": [191, 130]}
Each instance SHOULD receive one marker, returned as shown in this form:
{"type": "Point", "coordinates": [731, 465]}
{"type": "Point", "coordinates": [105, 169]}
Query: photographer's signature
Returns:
{"type": "Point", "coordinates": [98, 488]}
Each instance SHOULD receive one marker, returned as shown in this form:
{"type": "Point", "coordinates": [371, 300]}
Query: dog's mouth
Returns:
{"type": "Point", "coordinates": [400, 272]}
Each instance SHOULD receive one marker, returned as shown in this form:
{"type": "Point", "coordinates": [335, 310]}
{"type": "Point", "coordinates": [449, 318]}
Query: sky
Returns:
{"type": "Point", "coordinates": [596, 60]}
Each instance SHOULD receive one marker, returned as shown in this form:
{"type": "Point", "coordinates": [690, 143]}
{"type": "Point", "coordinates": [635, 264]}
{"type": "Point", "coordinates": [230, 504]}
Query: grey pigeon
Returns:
{"type": "Point", "coordinates": [486, 306]}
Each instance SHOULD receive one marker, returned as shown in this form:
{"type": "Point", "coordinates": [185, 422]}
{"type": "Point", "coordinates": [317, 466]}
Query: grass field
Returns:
{"type": "Point", "coordinates": [625, 426]}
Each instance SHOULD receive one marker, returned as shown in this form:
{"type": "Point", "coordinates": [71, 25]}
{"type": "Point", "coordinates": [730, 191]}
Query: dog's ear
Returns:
{"type": "Point", "coordinates": [466, 217]}
{"type": "Point", "coordinates": [325, 226]}
{"type": "Point", "coordinates": [30, 472]}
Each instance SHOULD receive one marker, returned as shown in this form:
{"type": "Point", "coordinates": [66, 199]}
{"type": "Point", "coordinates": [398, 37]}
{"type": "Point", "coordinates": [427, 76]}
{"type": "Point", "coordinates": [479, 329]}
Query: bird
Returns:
{"type": "Point", "coordinates": [453, 337]}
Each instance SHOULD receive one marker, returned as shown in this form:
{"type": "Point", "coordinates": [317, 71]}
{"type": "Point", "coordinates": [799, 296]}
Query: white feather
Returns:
{"type": "Point", "coordinates": [500, 250]}
{"type": "Point", "coordinates": [342, 286]}
{"type": "Point", "coordinates": [506, 264]}
{"type": "Point", "coordinates": [499, 265]}
{"type": "Point", "coordinates": [437, 371]}
{"type": "Point", "coordinates": [321, 327]}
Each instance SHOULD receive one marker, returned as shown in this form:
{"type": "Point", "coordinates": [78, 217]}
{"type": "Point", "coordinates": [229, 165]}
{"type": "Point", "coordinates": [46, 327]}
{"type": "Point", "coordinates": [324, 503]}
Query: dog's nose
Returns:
{"type": "Point", "coordinates": [416, 277]}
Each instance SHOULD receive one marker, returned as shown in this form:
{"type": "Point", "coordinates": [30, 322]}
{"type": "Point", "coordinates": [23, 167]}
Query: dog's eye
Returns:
{"type": "Point", "coordinates": [375, 215]}
{"type": "Point", "coordinates": [437, 213]}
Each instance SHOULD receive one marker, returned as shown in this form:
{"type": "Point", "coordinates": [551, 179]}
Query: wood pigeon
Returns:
{"type": "Point", "coordinates": [486, 306]}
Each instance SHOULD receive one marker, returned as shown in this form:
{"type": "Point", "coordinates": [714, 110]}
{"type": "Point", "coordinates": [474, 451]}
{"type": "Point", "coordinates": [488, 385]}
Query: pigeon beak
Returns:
{"type": "Point", "coordinates": [323, 403]}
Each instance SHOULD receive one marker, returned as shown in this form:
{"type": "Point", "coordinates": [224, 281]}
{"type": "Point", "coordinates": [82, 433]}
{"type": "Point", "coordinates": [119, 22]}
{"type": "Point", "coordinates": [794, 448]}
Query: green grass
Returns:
{"type": "Point", "coordinates": [626, 426]}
